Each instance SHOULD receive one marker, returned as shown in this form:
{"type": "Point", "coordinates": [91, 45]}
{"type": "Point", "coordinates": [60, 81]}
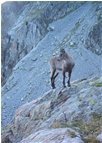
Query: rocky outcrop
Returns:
{"type": "Point", "coordinates": [99, 137]}
{"type": "Point", "coordinates": [62, 135]}
{"type": "Point", "coordinates": [69, 115]}
{"type": "Point", "coordinates": [7, 137]}
{"type": "Point", "coordinates": [28, 23]}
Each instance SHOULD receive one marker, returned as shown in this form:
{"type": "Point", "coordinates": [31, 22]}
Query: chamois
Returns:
{"type": "Point", "coordinates": [64, 63]}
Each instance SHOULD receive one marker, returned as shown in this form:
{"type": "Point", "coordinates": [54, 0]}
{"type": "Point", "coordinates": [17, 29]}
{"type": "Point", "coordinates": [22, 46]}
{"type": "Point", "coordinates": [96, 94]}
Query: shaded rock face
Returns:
{"type": "Point", "coordinates": [7, 137]}
{"type": "Point", "coordinates": [10, 11]}
{"type": "Point", "coordinates": [27, 24]}
{"type": "Point", "coordinates": [94, 40]}
{"type": "Point", "coordinates": [9, 14]}
{"type": "Point", "coordinates": [69, 115]}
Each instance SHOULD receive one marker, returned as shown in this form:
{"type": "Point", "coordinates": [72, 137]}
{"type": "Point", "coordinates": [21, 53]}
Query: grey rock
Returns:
{"type": "Point", "coordinates": [7, 137]}
{"type": "Point", "coordinates": [53, 136]}
{"type": "Point", "coordinates": [99, 137]}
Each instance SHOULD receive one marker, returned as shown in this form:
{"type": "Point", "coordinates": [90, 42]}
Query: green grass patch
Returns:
{"type": "Point", "coordinates": [89, 130]}
{"type": "Point", "coordinates": [97, 82]}
{"type": "Point", "coordinates": [90, 139]}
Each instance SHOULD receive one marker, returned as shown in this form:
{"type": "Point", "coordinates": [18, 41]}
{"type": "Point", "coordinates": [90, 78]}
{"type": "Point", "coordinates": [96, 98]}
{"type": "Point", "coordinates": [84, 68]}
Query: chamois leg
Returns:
{"type": "Point", "coordinates": [53, 78]}
{"type": "Point", "coordinates": [64, 79]}
{"type": "Point", "coordinates": [69, 74]}
{"type": "Point", "coordinates": [56, 75]}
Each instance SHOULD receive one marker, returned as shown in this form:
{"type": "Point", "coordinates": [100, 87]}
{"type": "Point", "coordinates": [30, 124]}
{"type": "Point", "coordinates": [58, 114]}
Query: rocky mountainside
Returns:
{"type": "Point", "coordinates": [30, 77]}
{"type": "Point", "coordinates": [38, 32]}
{"type": "Point", "coordinates": [69, 115]}
{"type": "Point", "coordinates": [24, 24]}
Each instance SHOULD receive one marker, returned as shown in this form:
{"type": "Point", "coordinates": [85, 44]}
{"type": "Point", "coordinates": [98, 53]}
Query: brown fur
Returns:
{"type": "Point", "coordinates": [63, 62]}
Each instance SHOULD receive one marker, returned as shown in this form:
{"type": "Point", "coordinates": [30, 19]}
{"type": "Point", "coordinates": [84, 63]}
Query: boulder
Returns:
{"type": "Point", "coordinates": [54, 135]}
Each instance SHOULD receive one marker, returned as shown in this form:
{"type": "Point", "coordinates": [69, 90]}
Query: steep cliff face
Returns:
{"type": "Point", "coordinates": [94, 40]}
{"type": "Point", "coordinates": [27, 24]}
{"type": "Point", "coordinates": [10, 12]}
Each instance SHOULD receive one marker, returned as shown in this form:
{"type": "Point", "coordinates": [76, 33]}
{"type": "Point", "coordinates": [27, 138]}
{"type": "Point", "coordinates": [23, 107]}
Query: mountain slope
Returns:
{"type": "Point", "coordinates": [30, 77]}
{"type": "Point", "coordinates": [24, 24]}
